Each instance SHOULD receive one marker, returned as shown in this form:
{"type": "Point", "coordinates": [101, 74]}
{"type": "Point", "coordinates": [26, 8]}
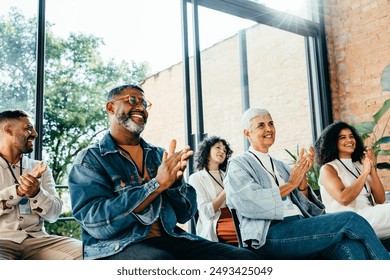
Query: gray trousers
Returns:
{"type": "Point", "coordinates": [43, 248]}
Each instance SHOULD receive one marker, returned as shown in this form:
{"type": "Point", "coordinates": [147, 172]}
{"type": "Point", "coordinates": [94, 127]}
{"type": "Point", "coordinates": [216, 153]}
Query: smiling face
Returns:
{"type": "Point", "coordinates": [126, 115]}
{"type": "Point", "coordinates": [346, 143]}
{"type": "Point", "coordinates": [217, 154]}
{"type": "Point", "coordinates": [24, 135]}
{"type": "Point", "coordinates": [262, 133]}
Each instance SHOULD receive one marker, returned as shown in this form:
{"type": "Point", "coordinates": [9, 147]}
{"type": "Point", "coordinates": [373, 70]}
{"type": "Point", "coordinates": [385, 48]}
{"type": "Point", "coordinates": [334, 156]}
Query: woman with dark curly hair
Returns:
{"type": "Point", "coordinates": [348, 178]}
{"type": "Point", "coordinates": [215, 222]}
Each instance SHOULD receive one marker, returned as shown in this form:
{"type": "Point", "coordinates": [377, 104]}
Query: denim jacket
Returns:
{"type": "Point", "coordinates": [249, 190]}
{"type": "Point", "coordinates": [105, 189]}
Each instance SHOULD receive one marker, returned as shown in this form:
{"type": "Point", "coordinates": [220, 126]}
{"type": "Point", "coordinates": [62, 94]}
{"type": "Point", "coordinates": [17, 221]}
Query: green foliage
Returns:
{"type": "Point", "coordinates": [368, 129]}
{"type": "Point", "coordinates": [69, 227]}
{"type": "Point", "coordinates": [385, 80]}
{"type": "Point", "coordinates": [313, 173]}
{"type": "Point", "coordinates": [17, 61]}
{"type": "Point", "coordinates": [76, 79]}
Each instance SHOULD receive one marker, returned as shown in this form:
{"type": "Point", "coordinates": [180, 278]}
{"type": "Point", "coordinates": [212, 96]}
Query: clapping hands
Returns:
{"type": "Point", "coordinates": [173, 165]}
{"type": "Point", "coordinates": [303, 164]}
{"type": "Point", "coordinates": [29, 183]}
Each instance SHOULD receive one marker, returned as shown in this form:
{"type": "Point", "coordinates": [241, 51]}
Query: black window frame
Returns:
{"type": "Point", "coordinates": [316, 59]}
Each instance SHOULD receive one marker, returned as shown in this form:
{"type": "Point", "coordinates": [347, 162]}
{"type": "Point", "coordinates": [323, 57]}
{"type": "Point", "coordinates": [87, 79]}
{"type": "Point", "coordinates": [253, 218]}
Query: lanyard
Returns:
{"type": "Point", "coordinates": [216, 179]}
{"type": "Point", "coordinates": [12, 172]}
{"type": "Point", "coordinates": [273, 169]}
{"type": "Point", "coordinates": [358, 171]}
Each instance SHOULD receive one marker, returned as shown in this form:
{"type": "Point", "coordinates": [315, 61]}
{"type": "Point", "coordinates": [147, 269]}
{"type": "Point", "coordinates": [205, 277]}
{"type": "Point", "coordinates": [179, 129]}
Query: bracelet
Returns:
{"type": "Point", "coordinates": [302, 190]}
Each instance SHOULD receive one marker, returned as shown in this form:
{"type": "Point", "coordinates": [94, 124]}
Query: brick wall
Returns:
{"type": "Point", "coordinates": [358, 38]}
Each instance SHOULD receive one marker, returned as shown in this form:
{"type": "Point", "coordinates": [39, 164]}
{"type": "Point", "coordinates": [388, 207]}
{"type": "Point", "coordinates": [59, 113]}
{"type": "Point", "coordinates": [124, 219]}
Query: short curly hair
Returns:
{"type": "Point", "coordinates": [326, 145]}
{"type": "Point", "coordinates": [203, 153]}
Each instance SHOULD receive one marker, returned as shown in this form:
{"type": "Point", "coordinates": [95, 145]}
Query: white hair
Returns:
{"type": "Point", "coordinates": [250, 114]}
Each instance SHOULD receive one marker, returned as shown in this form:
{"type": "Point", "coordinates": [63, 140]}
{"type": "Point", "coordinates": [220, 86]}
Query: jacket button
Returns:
{"type": "Point", "coordinates": [11, 197]}
{"type": "Point", "coordinates": [20, 218]}
{"type": "Point", "coordinates": [132, 177]}
{"type": "Point", "coordinates": [117, 247]}
{"type": "Point", "coordinates": [35, 201]}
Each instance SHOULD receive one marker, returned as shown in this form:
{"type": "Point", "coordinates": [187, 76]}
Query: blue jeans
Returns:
{"type": "Point", "coordinates": [173, 248]}
{"type": "Point", "coordinates": [336, 236]}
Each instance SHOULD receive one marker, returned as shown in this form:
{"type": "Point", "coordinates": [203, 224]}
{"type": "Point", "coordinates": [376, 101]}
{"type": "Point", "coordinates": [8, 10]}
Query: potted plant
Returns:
{"type": "Point", "coordinates": [312, 175]}
{"type": "Point", "coordinates": [369, 129]}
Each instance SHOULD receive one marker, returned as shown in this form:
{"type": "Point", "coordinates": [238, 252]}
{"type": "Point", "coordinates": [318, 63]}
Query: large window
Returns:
{"type": "Point", "coordinates": [248, 64]}
{"type": "Point", "coordinates": [18, 30]}
{"type": "Point", "coordinates": [91, 46]}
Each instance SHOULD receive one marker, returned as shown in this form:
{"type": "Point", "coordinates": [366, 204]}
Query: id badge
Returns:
{"type": "Point", "coordinates": [24, 207]}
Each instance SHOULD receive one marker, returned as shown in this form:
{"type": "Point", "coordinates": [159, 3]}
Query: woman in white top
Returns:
{"type": "Point", "coordinates": [348, 177]}
{"type": "Point", "coordinates": [215, 222]}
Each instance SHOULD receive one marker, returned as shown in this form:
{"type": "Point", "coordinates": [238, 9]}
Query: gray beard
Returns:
{"type": "Point", "coordinates": [130, 124]}
{"type": "Point", "coordinates": [134, 127]}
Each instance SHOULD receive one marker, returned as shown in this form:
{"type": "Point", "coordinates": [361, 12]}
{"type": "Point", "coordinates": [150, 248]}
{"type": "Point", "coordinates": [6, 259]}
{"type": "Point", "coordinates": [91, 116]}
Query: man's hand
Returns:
{"type": "Point", "coordinates": [38, 170]}
{"type": "Point", "coordinates": [173, 165]}
{"type": "Point", "coordinates": [29, 183]}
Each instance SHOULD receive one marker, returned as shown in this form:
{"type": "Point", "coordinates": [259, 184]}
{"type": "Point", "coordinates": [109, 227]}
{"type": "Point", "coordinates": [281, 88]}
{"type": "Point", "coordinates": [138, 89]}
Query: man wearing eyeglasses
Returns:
{"type": "Point", "coordinates": [128, 195]}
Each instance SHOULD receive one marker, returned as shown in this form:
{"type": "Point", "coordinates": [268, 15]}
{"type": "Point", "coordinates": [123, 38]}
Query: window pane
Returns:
{"type": "Point", "coordinates": [277, 78]}
{"type": "Point", "coordinates": [18, 26]}
{"type": "Point", "coordinates": [294, 7]}
{"type": "Point", "coordinates": [93, 46]}
{"type": "Point", "coordinates": [278, 83]}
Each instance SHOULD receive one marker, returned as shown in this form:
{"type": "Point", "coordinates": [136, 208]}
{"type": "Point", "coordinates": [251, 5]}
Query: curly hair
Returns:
{"type": "Point", "coordinates": [326, 145]}
{"type": "Point", "coordinates": [203, 153]}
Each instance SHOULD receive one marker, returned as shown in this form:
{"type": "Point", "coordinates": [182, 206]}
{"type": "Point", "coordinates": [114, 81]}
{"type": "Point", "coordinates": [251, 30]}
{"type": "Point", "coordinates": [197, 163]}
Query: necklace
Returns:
{"type": "Point", "coordinates": [12, 172]}
{"type": "Point", "coordinates": [370, 199]}
{"type": "Point", "coordinates": [220, 175]}
{"type": "Point", "coordinates": [141, 173]}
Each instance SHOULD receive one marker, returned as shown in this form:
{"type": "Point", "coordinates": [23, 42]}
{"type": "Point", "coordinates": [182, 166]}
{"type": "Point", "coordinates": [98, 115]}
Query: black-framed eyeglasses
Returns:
{"type": "Point", "coordinates": [134, 101]}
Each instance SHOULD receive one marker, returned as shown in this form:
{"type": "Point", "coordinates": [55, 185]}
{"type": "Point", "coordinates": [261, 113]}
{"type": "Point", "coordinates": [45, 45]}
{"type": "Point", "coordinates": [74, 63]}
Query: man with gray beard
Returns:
{"type": "Point", "coordinates": [128, 195]}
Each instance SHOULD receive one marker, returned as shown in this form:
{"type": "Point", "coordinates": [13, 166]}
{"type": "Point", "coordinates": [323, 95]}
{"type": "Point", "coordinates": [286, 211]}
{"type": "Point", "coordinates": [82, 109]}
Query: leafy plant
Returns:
{"type": "Point", "coordinates": [66, 227]}
{"type": "Point", "coordinates": [369, 130]}
{"type": "Point", "coordinates": [312, 174]}
{"type": "Point", "coordinates": [385, 80]}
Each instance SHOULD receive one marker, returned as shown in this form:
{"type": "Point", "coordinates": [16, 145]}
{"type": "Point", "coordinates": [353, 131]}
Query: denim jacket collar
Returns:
{"type": "Point", "coordinates": [109, 146]}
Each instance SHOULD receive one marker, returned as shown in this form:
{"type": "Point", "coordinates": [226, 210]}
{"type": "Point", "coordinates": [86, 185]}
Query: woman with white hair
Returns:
{"type": "Point", "coordinates": [280, 216]}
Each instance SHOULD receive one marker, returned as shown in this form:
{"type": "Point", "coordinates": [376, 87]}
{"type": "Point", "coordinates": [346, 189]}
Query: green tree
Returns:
{"type": "Point", "coordinates": [17, 61]}
{"type": "Point", "coordinates": [76, 78]}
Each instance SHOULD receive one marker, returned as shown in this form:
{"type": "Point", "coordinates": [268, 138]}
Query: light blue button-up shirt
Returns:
{"type": "Point", "coordinates": [249, 190]}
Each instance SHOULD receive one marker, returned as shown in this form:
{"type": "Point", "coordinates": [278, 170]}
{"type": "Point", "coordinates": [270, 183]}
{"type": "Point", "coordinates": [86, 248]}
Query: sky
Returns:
{"type": "Point", "coordinates": [134, 30]}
